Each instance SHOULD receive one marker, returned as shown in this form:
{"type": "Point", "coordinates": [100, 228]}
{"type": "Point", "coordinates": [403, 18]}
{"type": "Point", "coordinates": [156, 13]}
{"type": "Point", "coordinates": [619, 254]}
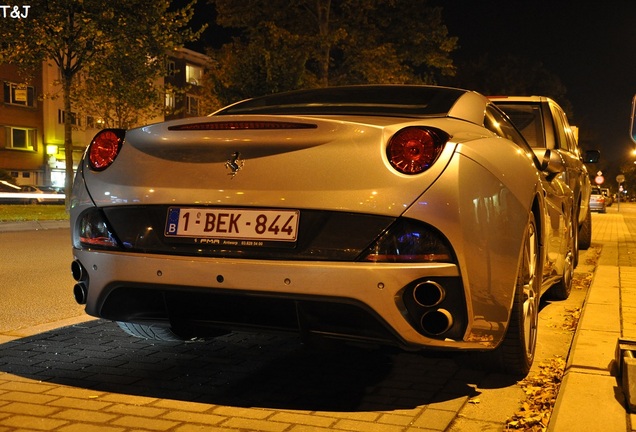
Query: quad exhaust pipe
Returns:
{"type": "Point", "coordinates": [437, 322]}
{"type": "Point", "coordinates": [80, 290]}
{"type": "Point", "coordinates": [430, 294]}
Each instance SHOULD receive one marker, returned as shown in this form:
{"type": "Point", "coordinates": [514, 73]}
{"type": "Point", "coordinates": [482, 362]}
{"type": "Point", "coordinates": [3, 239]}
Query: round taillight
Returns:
{"type": "Point", "coordinates": [414, 149]}
{"type": "Point", "coordinates": [104, 148]}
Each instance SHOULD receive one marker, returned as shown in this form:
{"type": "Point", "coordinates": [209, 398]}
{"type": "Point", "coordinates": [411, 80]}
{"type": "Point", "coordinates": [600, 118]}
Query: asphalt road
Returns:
{"type": "Point", "coordinates": [37, 287]}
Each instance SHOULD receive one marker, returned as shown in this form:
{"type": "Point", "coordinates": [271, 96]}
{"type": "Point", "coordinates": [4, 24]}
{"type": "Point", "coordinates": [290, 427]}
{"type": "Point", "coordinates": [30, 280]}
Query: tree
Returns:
{"type": "Point", "coordinates": [83, 35]}
{"type": "Point", "coordinates": [124, 92]}
{"type": "Point", "coordinates": [285, 44]}
{"type": "Point", "coordinates": [6, 176]}
{"type": "Point", "coordinates": [511, 75]}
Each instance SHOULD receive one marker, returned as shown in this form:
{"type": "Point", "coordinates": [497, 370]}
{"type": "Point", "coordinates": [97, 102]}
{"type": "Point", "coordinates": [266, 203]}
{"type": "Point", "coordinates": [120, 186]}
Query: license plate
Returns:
{"type": "Point", "coordinates": [231, 223]}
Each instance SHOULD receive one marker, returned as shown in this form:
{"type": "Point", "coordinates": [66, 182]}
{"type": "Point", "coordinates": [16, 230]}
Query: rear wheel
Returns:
{"type": "Point", "coordinates": [585, 231]}
{"type": "Point", "coordinates": [561, 290]}
{"type": "Point", "coordinates": [150, 332]}
{"type": "Point", "coordinates": [516, 352]}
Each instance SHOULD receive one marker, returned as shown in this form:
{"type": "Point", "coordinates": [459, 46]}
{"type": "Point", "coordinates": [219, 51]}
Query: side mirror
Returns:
{"type": "Point", "coordinates": [550, 162]}
{"type": "Point", "coordinates": [633, 118]}
{"type": "Point", "coordinates": [591, 156]}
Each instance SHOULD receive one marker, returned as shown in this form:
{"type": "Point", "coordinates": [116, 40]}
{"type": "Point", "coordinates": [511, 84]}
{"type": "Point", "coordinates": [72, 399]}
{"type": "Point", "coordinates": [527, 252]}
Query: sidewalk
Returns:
{"type": "Point", "coordinates": [592, 397]}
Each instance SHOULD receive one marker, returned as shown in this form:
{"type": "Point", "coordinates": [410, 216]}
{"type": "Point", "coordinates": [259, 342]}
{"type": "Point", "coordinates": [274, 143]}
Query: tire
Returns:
{"type": "Point", "coordinates": [585, 231]}
{"type": "Point", "coordinates": [516, 352]}
{"type": "Point", "coordinates": [149, 332]}
{"type": "Point", "coordinates": [561, 290]}
{"type": "Point", "coordinates": [574, 228]}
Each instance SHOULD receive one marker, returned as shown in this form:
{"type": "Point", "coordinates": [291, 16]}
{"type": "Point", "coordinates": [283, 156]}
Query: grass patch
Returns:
{"type": "Point", "coordinates": [32, 212]}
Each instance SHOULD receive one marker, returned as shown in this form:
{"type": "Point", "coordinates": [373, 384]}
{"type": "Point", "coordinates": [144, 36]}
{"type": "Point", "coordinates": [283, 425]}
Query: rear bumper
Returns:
{"type": "Point", "coordinates": [359, 301]}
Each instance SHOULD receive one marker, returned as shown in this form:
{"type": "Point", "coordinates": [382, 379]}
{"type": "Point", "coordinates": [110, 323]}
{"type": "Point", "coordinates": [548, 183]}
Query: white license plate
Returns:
{"type": "Point", "coordinates": [230, 223]}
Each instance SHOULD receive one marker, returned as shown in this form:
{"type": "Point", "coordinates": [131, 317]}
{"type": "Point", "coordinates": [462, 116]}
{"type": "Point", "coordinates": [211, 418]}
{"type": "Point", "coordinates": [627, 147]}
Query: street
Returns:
{"type": "Point", "coordinates": [91, 375]}
{"type": "Point", "coordinates": [36, 278]}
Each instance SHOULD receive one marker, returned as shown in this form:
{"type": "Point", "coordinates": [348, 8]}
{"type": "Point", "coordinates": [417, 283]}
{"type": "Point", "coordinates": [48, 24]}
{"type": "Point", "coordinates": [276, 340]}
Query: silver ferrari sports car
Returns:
{"type": "Point", "coordinates": [416, 216]}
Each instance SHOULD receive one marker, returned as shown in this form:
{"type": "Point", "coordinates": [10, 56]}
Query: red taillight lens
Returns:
{"type": "Point", "coordinates": [104, 148]}
{"type": "Point", "coordinates": [414, 149]}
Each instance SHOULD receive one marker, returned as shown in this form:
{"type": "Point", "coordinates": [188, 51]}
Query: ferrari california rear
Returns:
{"type": "Point", "coordinates": [408, 215]}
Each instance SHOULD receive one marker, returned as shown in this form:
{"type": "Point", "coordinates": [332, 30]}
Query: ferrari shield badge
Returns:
{"type": "Point", "coordinates": [234, 164]}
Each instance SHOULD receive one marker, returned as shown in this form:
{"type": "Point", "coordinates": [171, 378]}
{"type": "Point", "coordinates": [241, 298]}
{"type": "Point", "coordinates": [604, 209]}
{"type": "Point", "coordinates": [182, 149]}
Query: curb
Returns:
{"type": "Point", "coordinates": [33, 225]}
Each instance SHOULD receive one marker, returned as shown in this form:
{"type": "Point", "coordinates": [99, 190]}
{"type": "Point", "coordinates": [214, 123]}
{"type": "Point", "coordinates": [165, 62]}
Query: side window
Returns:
{"type": "Point", "coordinates": [561, 129]}
{"type": "Point", "coordinates": [573, 145]}
{"type": "Point", "coordinates": [528, 120]}
{"type": "Point", "coordinates": [497, 123]}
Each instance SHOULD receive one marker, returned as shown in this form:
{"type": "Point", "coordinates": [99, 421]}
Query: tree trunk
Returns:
{"type": "Point", "coordinates": [324, 7]}
{"type": "Point", "coordinates": [68, 141]}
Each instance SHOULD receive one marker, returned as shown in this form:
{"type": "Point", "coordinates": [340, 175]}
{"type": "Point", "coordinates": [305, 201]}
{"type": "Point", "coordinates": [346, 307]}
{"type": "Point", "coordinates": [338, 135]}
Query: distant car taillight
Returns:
{"type": "Point", "coordinates": [413, 150]}
{"type": "Point", "coordinates": [104, 148]}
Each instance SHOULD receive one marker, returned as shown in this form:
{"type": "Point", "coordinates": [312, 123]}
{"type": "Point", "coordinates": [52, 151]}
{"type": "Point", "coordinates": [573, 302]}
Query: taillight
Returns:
{"type": "Point", "coordinates": [410, 241]}
{"type": "Point", "coordinates": [104, 148]}
{"type": "Point", "coordinates": [413, 150]}
{"type": "Point", "coordinates": [92, 231]}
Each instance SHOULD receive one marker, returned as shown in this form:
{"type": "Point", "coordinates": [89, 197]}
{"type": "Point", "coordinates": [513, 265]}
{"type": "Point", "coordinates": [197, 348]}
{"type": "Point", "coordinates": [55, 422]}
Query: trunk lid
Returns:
{"type": "Point", "coordinates": [334, 163]}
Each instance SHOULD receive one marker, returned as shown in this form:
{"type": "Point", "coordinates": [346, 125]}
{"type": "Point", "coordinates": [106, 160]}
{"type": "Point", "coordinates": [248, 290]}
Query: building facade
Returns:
{"type": "Point", "coordinates": [32, 117]}
{"type": "Point", "coordinates": [22, 148]}
{"type": "Point", "coordinates": [185, 83]}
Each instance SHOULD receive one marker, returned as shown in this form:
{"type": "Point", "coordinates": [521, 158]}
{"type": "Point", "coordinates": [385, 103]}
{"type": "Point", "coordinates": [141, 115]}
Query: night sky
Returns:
{"type": "Point", "coordinates": [591, 47]}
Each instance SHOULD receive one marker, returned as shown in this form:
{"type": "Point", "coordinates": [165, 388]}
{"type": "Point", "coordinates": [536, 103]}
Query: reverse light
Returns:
{"type": "Point", "coordinates": [104, 148]}
{"type": "Point", "coordinates": [93, 231]}
{"type": "Point", "coordinates": [410, 241]}
{"type": "Point", "coordinates": [413, 150]}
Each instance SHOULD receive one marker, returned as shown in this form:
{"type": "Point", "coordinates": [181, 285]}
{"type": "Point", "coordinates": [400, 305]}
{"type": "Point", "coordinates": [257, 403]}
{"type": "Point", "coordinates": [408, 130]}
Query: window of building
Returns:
{"type": "Point", "coordinates": [171, 68]}
{"type": "Point", "coordinates": [193, 74]}
{"type": "Point", "coordinates": [19, 94]}
{"type": "Point", "coordinates": [22, 138]}
{"type": "Point", "coordinates": [61, 117]}
{"type": "Point", "coordinates": [192, 105]}
{"type": "Point", "coordinates": [169, 102]}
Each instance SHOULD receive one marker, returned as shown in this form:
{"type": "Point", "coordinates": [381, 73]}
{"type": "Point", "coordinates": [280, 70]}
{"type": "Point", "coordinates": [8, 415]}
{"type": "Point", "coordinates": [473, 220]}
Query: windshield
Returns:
{"type": "Point", "coordinates": [527, 118]}
{"type": "Point", "coordinates": [388, 100]}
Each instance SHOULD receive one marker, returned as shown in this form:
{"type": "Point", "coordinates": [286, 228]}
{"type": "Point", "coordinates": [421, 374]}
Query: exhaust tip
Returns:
{"type": "Point", "coordinates": [437, 322]}
{"type": "Point", "coordinates": [80, 292]}
{"type": "Point", "coordinates": [78, 271]}
{"type": "Point", "coordinates": [428, 294]}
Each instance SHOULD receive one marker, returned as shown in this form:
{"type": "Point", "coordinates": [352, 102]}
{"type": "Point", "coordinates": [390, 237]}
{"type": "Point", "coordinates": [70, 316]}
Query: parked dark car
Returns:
{"type": "Point", "coordinates": [544, 124]}
{"type": "Point", "coordinates": [598, 200]}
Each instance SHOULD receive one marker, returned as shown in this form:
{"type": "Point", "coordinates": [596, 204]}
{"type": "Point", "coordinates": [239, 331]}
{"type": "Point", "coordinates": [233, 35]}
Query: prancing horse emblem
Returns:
{"type": "Point", "coordinates": [234, 164]}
